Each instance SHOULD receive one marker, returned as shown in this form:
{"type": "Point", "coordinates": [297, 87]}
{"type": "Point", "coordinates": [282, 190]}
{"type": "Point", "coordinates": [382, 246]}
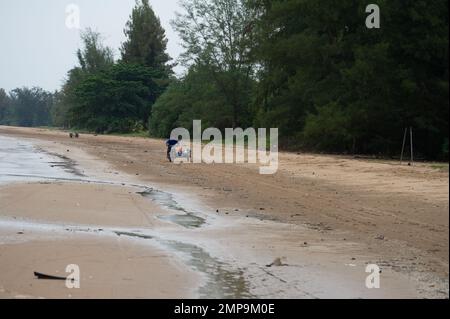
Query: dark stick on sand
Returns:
{"type": "Point", "coordinates": [48, 277]}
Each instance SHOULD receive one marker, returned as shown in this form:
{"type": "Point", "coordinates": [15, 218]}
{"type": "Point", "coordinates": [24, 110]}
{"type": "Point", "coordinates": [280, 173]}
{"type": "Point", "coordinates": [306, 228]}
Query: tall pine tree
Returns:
{"type": "Point", "coordinates": [146, 42]}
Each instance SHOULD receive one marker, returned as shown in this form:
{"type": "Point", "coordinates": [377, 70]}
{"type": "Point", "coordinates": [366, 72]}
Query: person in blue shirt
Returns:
{"type": "Point", "coordinates": [170, 143]}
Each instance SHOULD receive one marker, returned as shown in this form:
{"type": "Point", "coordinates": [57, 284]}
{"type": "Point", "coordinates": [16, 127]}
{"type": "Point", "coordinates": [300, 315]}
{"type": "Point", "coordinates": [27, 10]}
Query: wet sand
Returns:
{"type": "Point", "coordinates": [108, 268]}
{"type": "Point", "coordinates": [46, 226]}
{"type": "Point", "coordinates": [78, 203]}
{"type": "Point", "coordinates": [226, 227]}
{"type": "Point", "coordinates": [48, 217]}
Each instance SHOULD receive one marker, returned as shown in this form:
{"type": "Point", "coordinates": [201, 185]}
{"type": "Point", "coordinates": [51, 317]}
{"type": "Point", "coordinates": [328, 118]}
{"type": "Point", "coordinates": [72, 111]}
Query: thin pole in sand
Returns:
{"type": "Point", "coordinates": [412, 150]}
{"type": "Point", "coordinates": [403, 146]}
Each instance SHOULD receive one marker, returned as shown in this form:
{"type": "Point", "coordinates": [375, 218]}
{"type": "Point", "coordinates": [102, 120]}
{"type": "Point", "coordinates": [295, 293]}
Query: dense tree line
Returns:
{"type": "Point", "coordinates": [332, 84]}
{"type": "Point", "coordinates": [314, 70]}
{"type": "Point", "coordinates": [309, 67]}
{"type": "Point", "coordinates": [26, 107]}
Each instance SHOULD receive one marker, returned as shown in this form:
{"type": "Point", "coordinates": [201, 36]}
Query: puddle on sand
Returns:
{"type": "Point", "coordinates": [186, 219]}
{"type": "Point", "coordinates": [66, 164]}
{"type": "Point", "coordinates": [20, 160]}
{"type": "Point", "coordinates": [222, 282]}
{"type": "Point", "coordinates": [131, 234]}
{"type": "Point", "coordinates": [162, 198]}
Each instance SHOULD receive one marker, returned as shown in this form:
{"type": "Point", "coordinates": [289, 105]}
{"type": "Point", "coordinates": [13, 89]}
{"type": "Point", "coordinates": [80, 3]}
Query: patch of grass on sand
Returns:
{"type": "Point", "coordinates": [440, 166]}
{"type": "Point", "coordinates": [83, 131]}
{"type": "Point", "coordinates": [133, 134]}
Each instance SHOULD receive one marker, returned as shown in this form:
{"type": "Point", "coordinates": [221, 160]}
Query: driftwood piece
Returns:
{"type": "Point", "coordinates": [47, 277]}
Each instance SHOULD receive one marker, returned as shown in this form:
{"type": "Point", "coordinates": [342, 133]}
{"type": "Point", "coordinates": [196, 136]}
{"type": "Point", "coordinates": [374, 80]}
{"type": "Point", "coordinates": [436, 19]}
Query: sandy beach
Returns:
{"type": "Point", "coordinates": [140, 227]}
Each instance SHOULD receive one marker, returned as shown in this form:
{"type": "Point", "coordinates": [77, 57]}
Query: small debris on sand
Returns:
{"type": "Point", "coordinates": [278, 262]}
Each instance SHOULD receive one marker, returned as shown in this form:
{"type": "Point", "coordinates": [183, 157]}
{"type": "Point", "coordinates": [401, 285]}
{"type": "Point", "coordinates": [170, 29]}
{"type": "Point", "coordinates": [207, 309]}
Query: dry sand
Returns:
{"type": "Point", "coordinates": [325, 216]}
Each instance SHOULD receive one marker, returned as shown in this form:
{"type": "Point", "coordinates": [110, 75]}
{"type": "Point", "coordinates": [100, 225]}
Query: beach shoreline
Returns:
{"type": "Point", "coordinates": [286, 216]}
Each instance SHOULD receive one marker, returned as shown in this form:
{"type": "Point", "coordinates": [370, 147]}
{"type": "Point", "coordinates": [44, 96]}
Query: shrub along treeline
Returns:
{"type": "Point", "coordinates": [309, 67]}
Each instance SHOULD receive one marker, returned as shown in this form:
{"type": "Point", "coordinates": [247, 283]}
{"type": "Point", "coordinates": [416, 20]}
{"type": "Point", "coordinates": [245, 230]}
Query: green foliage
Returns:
{"type": "Point", "coordinates": [146, 40]}
{"type": "Point", "coordinates": [118, 99]}
{"type": "Point", "coordinates": [195, 97]}
{"type": "Point", "coordinates": [105, 97]}
{"type": "Point", "coordinates": [327, 129]}
{"type": "Point", "coordinates": [338, 86]}
{"type": "Point", "coordinates": [94, 57]}
{"type": "Point", "coordinates": [26, 107]}
{"type": "Point", "coordinates": [168, 109]}
{"type": "Point", "coordinates": [5, 108]}
{"type": "Point", "coordinates": [309, 67]}
{"type": "Point", "coordinates": [445, 149]}
{"type": "Point", "coordinates": [216, 36]}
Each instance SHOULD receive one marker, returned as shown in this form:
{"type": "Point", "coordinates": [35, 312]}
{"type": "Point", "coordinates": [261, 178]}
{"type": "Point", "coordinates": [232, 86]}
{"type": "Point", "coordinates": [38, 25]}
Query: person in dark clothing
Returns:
{"type": "Point", "coordinates": [170, 143]}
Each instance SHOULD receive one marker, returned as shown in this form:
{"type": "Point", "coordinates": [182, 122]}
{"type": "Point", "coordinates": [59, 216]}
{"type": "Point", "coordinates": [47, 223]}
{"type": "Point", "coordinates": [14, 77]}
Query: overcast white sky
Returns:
{"type": "Point", "coordinates": [37, 49]}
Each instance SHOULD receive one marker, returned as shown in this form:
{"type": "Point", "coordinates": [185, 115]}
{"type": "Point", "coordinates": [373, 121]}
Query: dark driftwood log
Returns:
{"type": "Point", "coordinates": [48, 277]}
